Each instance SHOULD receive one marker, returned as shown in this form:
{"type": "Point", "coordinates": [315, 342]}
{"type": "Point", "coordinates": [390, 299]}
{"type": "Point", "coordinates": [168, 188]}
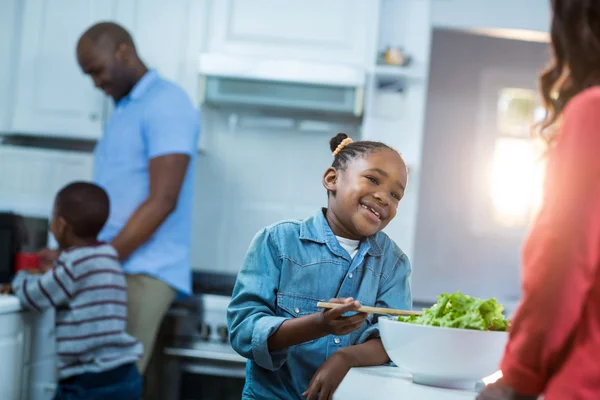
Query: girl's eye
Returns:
{"type": "Point", "coordinates": [372, 179]}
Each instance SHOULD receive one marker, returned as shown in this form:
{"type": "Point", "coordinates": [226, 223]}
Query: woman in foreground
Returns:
{"type": "Point", "coordinates": [555, 335]}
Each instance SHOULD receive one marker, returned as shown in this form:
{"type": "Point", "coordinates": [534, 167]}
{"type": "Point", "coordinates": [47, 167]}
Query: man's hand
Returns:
{"type": "Point", "coordinates": [332, 322]}
{"type": "Point", "coordinates": [328, 377]}
{"type": "Point", "coordinates": [47, 258]}
{"type": "Point", "coordinates": [500, 391]}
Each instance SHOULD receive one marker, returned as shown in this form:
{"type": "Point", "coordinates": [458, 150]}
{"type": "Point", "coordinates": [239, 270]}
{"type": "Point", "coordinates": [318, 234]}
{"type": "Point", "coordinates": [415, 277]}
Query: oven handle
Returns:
{"type": "Point", "coordinates": [204, 354]}
{"type": "Point", "coordinates": [214, 370]}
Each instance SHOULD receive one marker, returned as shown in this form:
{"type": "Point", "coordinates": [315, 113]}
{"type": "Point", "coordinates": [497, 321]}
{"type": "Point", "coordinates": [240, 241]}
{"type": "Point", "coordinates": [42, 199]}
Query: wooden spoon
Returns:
{"type": "Point", "coordinates": [371, 310]}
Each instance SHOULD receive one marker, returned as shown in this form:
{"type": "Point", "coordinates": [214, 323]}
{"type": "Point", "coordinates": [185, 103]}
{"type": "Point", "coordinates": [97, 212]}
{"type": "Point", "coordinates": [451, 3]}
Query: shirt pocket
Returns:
{"type": "Point", "coordinates": [311, 277]}
{"type": "Point", "coordinates": [296, 305]}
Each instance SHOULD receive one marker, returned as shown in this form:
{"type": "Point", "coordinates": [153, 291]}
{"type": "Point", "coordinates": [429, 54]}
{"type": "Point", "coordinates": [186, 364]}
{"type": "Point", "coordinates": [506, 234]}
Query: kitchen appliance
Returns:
{"type": "Point", "coordinates": [20, 237]}
{"type": "Point", "coordinates": [12, 238]}
{"type": "Point", "coordinates": [27, 338]}
{"type": "Point", "coordinates": [289, 85]}
{"type": "Point", "coordinates": [196, 360]}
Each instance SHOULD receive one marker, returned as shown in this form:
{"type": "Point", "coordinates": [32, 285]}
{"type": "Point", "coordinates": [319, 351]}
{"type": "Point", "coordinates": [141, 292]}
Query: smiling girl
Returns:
{"type": "Point", "coordinates": [294, 350]}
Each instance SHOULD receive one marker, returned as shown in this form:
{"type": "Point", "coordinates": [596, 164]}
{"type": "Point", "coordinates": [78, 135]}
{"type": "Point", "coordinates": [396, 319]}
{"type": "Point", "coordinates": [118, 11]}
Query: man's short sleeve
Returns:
{"type": "Point", "coordinates": [171, 124]}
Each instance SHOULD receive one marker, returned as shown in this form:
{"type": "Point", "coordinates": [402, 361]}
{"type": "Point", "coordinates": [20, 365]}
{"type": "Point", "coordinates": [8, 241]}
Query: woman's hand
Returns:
{"type": "Point", "coordinates": [332, 322]}
{"type": "Point", "coordinates": [328, 377]}
{"type": "Point", "coordinates": [500, 391]}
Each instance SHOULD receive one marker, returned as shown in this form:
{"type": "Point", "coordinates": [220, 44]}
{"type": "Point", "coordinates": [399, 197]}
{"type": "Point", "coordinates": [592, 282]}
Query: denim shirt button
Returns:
{"type": "Point", "coordinates": [297, 310]}
{"type": "Point", "coordinates": [336, 340]}
{"type": "Point", "coordinates": [350, 275]}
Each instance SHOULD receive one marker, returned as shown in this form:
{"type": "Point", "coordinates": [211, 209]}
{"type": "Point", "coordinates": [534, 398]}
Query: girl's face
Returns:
{"type": "Point", "coordinates": [365, 196]}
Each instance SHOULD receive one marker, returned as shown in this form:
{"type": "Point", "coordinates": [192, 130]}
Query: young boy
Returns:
{"type": "Point", "coordinates": [96, 358]}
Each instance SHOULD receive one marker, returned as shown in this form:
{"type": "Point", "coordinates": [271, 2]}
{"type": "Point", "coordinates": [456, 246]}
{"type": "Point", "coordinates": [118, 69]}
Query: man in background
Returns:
{"type": "Point", "coordinates": [145, 162]}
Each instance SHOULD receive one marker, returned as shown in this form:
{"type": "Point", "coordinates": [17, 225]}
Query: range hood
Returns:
{"type": "Point", "coordinates": [287, 85]}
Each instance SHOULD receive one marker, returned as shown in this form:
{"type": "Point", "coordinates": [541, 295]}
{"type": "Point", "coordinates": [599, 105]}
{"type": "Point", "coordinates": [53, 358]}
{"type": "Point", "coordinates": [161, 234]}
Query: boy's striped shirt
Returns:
{"type": "Point", "coordinates": [88, 290]}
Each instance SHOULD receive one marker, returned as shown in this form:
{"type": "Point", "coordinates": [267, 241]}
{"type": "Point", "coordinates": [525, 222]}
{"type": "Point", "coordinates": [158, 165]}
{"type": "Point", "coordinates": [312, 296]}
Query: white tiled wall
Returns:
{"type": "Point", "coordinates": [29, 177]}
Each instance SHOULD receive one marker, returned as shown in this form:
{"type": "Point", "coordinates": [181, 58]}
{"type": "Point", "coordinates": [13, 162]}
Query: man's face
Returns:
{"type": "Point", "coordinates": [104, 64]}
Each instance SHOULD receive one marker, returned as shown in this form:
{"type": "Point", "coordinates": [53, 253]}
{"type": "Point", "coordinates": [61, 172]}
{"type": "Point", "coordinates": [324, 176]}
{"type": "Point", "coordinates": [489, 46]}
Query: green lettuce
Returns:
{"type": "Point", "coordinates": [457, 310]}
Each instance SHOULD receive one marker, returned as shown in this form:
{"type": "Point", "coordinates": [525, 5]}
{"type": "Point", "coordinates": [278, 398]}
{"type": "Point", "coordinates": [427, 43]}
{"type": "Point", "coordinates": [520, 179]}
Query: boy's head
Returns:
{"type": "Point", "coordinates": [80, 211]}
{"type": "Point", "coordinates": [365, 183]}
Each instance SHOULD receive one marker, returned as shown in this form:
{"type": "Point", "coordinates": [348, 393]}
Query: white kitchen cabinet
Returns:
{"type": "Point", "coordinates": [169, 37]}
{"type": "Point", "coordinates": [339, 31]}
{"type": "Point", "coordinates": [40, 369]}
{"type": "Point", "coordinates": [9, 18]}
{"type": "Point", "coordinates": [407, 24]}
{"type": "Point", "coordinates": [53, 97]}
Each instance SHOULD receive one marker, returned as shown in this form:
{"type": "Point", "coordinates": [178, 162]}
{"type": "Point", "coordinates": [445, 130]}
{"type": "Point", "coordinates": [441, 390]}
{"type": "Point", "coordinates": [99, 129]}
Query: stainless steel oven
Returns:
{"type": "Point", "coordinates": [209, 371]}
{"type": "Point", "coordinates": [192, 358]}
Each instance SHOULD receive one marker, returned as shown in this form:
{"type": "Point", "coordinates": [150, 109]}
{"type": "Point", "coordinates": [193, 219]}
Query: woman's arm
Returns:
{"type": "Point", "coordinates": [562, 254]}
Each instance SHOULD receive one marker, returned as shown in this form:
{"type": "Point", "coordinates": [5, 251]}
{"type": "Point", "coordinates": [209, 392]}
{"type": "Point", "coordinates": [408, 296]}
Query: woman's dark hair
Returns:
{"type": "Point", "coordinates": [575, 66]}
{"type": "Point", "coordinates": [353, 150]}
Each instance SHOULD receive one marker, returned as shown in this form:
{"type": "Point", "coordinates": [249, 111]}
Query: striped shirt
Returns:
{"type": "Point", "coordinates": [88, 290]}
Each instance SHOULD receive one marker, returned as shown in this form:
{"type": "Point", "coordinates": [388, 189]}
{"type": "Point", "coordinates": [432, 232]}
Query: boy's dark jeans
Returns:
{"type": "Point", "coordinates": [121, 383]}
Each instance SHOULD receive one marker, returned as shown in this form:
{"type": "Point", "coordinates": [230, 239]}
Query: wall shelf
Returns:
{"type": "Point", "coordinates": [411, 72]}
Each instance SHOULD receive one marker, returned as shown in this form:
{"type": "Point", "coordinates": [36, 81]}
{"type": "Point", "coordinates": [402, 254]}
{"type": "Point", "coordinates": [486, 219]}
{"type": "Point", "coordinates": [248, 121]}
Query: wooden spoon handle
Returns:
{"type": "Point", "coordinates": [371, 310]}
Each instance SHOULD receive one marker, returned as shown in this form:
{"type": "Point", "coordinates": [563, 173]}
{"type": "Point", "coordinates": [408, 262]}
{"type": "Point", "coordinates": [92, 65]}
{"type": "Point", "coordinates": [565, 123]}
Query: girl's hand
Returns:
{"type": "Point", "coordinates": [500, 391]}
{"type": "Point", "coordinates": [328, 377]}
{"type": "Point", "coordinates": [332, 322]}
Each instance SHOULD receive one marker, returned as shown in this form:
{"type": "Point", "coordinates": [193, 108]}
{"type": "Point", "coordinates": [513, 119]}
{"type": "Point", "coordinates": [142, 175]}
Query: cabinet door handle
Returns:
{"type": "Point", "coordinates": [94, 116]}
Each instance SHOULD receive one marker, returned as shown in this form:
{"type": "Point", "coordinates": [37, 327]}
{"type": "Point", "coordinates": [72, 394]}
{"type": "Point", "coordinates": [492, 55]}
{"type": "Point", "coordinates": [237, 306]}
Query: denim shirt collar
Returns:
{"type": "Point", "coordinates": [317, 229]}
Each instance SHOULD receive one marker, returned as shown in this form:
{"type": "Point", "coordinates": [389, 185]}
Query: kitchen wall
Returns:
{"type": "Point", "coordinates": [255, 171]}
{"type": "Point", "coordinates": [451, 252]}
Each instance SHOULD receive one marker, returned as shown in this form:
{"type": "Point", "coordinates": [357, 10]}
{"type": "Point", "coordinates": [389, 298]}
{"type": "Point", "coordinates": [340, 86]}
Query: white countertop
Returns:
{"type": "Point", "coordinates": [9, 304]}
{"type": "Point", "coordinates": [391, 383]}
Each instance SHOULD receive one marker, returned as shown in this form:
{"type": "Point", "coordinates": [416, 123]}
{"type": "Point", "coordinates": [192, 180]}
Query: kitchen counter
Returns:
{"type": "Point", "coordinates": [392, 383]}
{"type": "Point", "coordinates": [9, 304]}
{"type": "Point", "coordinates": [27, 348]}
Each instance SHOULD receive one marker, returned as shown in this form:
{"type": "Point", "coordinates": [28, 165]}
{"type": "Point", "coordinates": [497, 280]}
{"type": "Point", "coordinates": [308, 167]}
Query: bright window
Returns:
{"type": "Point", "coordinates": [517, 172]}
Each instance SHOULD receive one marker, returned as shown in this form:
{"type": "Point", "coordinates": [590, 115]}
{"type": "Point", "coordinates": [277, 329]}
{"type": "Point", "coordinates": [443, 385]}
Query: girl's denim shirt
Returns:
{"type": "Point", "coordinates": [289, 267]}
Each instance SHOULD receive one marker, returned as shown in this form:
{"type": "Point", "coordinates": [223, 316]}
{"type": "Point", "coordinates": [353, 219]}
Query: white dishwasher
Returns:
{"type": "Point", "coordinates": [27, 350]}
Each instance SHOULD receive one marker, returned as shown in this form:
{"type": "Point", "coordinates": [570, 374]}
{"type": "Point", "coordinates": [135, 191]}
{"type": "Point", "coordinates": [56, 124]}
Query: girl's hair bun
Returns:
{"type": "Point", "coordinates": [336, 140]}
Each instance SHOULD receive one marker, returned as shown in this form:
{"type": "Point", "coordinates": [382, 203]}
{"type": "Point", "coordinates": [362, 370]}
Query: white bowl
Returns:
{"type": "Point", "coordinates": [442, 357]}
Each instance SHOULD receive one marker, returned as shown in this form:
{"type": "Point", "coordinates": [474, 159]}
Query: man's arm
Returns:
{"type": "Point", "coordinates": [170, 129]}
{"type": "Point", "coordinates": [166, 177]}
